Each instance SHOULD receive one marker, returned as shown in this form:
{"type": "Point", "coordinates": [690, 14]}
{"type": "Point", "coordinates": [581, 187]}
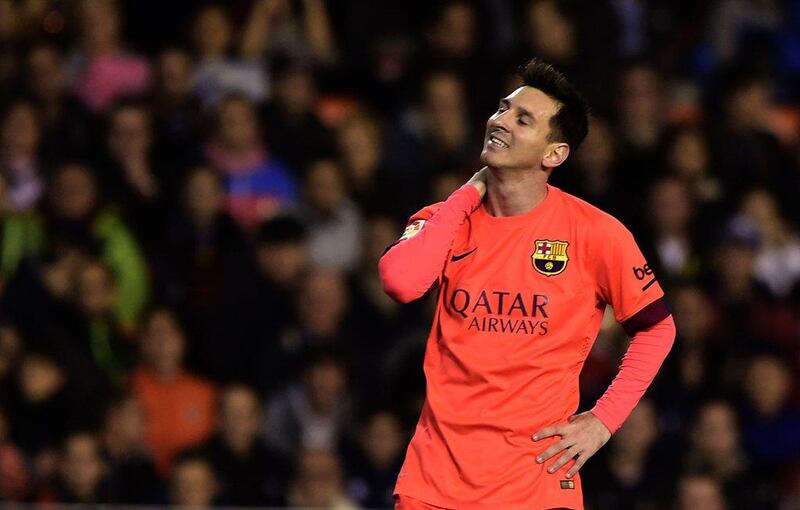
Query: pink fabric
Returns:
{"type": "Point", "coordinates": [108, 77]}
{"type": "Point", "coordinates": [410, 268]}
{"type": "Point", "coordinates": [641, 362]}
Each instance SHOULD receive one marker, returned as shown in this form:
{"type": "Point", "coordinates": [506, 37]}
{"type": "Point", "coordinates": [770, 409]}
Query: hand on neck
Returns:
{"type": "Point", "coordinates": [512, 192]}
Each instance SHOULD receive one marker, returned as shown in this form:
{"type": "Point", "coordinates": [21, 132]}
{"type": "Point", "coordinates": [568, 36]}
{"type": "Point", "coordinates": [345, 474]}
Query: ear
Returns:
{"type": "Point", "coordinates": [555, 154]}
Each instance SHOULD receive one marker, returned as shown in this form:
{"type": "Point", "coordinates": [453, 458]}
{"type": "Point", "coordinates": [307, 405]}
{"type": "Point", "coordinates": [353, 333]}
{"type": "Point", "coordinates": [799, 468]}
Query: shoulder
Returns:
{"type": "Point", "coordinates": [426, 212]}
{"type": "Point", "coordinates": [595, 222]}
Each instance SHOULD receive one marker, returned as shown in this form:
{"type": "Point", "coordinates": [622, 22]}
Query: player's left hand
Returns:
{"type": "Point", "coordinates": [581, 437]}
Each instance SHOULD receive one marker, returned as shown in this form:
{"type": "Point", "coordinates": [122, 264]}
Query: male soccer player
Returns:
{"type": "Point", "coordinates": [524, 272]}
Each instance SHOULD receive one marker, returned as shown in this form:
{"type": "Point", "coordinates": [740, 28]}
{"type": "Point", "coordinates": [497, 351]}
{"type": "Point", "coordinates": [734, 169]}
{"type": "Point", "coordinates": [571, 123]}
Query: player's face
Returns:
{"type": "Point", "coordinates": [517, 133]}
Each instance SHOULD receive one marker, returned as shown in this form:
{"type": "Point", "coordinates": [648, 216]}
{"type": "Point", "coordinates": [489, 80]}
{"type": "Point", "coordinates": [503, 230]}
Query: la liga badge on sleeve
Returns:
{"type": "Point", "coordinates": [550, 257]}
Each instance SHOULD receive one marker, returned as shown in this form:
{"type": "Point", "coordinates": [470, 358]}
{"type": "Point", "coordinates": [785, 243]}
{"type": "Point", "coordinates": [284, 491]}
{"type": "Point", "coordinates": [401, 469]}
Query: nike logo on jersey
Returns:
{"type": "Point", "coordinates": [456, 258]}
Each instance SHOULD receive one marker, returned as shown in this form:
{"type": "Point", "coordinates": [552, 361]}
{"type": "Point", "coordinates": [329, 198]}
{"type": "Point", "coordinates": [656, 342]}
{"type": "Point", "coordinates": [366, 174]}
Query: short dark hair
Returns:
{"type": "Point", "coordinates": [571, 122]}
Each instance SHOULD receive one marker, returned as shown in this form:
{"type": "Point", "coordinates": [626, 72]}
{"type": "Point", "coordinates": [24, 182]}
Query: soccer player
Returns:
{"type": "Point", "coordinates": [524, 272]}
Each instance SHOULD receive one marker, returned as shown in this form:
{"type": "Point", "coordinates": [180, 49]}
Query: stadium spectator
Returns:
{"type": "Point", "coordinates": [20, 135]}
{"type": "Point", "coordinates": [193, 483]}
{"type": "Point", "coordinates": [257, 186]}
{"type": "Point", "coordinates": [313, 410]}
{"type": "Point", "coordinates": [319, 482]}
{"type": "Point", "coordinates": [132, 477]}
{"type": "Point", "coordinates": [80, 472]}
{"type": "Point", "coordinates": [178, 406]}
{"type": "Point", "coordinates": [333, 221]}
{"type": "Point", "coordinates": [14, 475]}
{"type": "Point", "coordinates": [250, 473]}
{"type": "Point", "coordinates": [699, 491]}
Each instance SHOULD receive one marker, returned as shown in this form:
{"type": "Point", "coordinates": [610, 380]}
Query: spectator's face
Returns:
{"type": "Point", "coordinates": [163, 344]}
{"type": "Point", "coordinates": [319, 479]}
{"type": "Point", "coordinates": [129, 135]}
{"type": "Point", "coordinates": [640, 97]}
{"type": "Point", "coordinates": [455, 32]}
{"type": "Point", "coordinates": [767, 385]}
{"type": "Point", "coordinates": [175, 73]}
{"type": "Point", "coordinates": [211, 32]}
{"type": "Point", "coordinates": [295, 91]}
{"type": "Point", "coordinates": [239, 417]}
{"type": "Point", "coordinates": [523, 136]}
{"type": "Point", "coordinates": [20, 130]}
{"type": "Point", "coordinates": [325, 383]}
{"type": "Point", "coordinates": [325, 187]}
{"type": "Point", "coordinates": [39, 378]}
{"type": "Point", "coordinates": [748, 106]}
{"type": "Point", "coordinates": [282, 263]}
{"type": "Point", "coordinates": [550, 34]}
{"type": "Point", "coordinates": [10, 346]}
{"type": "Point", "coordinates": [125, 425]}
{"type": "Point", "coordinates": [193, 484]}
{"type": "Point", "coordinates": [73, 193]}
{"type": "Point", "coordinates": [81, 467]}
{"type": "Point", "coordinates": [46, 75]}
{"type": "Point", "coordinates": [693, 315]}
{"type": "Point", "coordinates": [639, 431]}
{"type": "Point", "coordinates": [383, 439]}
{"type": "Point", "coordinates": [735, 265]}
{"type": "Point", "coordinates": [700, 492]}
{"type": "Point", "coordinates": [596, 155]}
{"type": "Point", "coordinates": [688, 155]}
{"type": "Point", "coordinates": [716, 434]}
{"type": "Point", "coordinates": [761, 206]}
{"type": "Point", "coordinates": [670, 208]}
{"type": "Point", "coordinates": [99, 21]}
{"type": "Point", "coordinates": [323, 302]}
{"type": "Point", "coordinates": [96, 291]}
{"type": "Point", "coordinates": [8, 19]}
{"type": "Point", "coordinates": [204, 195]}
{"type": "Point", "coordinates": [238, 130]}
{"type": "Point", "coordinates": [444, 99]}
{"type": "Point", "coordinates": [359, 146]}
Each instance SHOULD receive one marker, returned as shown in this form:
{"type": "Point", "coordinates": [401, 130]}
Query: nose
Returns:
{"type": "Point", "coordinates": [498, 123]}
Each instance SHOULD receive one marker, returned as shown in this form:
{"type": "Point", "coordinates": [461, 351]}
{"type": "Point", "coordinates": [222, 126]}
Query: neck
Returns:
{"type": "Point", "coordinates": [515, 192]}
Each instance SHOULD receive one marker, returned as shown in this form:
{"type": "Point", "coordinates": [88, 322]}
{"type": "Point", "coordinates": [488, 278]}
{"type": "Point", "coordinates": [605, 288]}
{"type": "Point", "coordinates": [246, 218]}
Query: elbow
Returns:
{"type": "Point", "coordinates": [394, 284]}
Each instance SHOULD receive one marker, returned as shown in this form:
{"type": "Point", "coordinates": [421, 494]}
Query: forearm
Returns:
{"type": "Point", "coordinates": [646, 352]}
{"type": "Point", "coordinates": [412, 266]}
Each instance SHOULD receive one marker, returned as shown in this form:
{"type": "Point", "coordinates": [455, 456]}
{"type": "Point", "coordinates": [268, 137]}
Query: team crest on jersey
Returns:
{"type": "Point", "coordinates": [550, 257]}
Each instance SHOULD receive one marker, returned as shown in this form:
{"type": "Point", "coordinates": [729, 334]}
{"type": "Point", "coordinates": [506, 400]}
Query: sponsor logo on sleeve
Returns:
{"type": "Point", "coordinates": [644, 272]}
{"type": "Point", "coordinates": [412, 229]}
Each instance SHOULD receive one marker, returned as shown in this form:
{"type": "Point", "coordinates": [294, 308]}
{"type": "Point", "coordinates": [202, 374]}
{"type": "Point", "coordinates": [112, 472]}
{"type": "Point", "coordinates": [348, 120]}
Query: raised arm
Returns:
{"type": "Point", "coordinates": [413, 265]}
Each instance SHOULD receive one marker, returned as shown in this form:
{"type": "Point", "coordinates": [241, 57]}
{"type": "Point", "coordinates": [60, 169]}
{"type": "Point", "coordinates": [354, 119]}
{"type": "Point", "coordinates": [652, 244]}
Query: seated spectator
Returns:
{"type": "Point", "coordinates": [777, 264]}
{"type": "Point", "coordinates": [250, 473]}
{"type": "Point", "coordinates": [257, 186]}
{"type": "Point", "coordinates": [178, 407]}
{"type": "Point", "coordinates": [223, 66]}
{"type": "Point", "coordinates": [78, 215]}
{"type": "Point", "coordinates": [132, 477]}
{"type": "Point", "coordinates": [103, 70]}
{"type": "Point", "coordinates": [66, 123]}
{"type": "Point", "coordinates": [319, 482]}
{"type": "Point", "coordinates": [80, 472]}
{"type": "Point", "coordinates": [294, 132]}
{"type": "Point", "coordinates": [629, 473]}
{"type": "Point", "coordinates": [699, 491]}
{"type": "Point", "coordinates": [313, 411]}
{"type": "Point", "coordinates": [771, 423]}
{"type": "Point", "coordinates": [15, 478]}
{"type": "Point", "coordinates": [20, 134]}
{"type": "Point", "coordinates": [41, 408]}
{"type": "Point", "coordinates": [333, 221]}
{"type": "Point", "coordinates": [20, 235]}
{"type": "Point", "coordinates": [193, 483]}
{"type": "Point", "coordinates": [378, 455]}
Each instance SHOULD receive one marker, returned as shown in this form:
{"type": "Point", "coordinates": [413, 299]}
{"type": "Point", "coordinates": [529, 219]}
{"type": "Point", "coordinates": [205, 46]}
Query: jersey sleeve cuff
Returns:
{"type": "Point", "coordinates": [648, 316]}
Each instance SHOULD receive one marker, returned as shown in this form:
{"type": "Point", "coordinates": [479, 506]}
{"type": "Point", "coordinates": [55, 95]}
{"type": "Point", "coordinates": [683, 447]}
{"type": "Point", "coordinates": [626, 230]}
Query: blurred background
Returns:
{"type": "Point", "coordinates": [194, 196]}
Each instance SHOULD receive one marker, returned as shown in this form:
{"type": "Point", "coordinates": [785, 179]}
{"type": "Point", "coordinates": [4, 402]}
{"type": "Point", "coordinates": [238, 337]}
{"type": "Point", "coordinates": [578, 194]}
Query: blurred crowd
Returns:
{"type": "Point", "coordinates": [194, 197]}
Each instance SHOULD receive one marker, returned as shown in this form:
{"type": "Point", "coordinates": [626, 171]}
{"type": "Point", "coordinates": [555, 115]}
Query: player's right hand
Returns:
{"type": "Point", "coordinates": [479, 180]}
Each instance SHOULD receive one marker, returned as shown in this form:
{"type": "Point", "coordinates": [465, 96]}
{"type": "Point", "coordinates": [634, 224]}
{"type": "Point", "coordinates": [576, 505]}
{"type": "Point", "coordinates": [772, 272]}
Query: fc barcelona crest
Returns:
{"type": "Point", "coordinates": [550, 257]}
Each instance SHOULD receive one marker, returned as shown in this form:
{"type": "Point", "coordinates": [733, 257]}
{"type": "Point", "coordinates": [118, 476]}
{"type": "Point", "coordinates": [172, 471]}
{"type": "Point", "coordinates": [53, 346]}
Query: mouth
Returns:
{"type": "Point", "coordinates": [496, 142]}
